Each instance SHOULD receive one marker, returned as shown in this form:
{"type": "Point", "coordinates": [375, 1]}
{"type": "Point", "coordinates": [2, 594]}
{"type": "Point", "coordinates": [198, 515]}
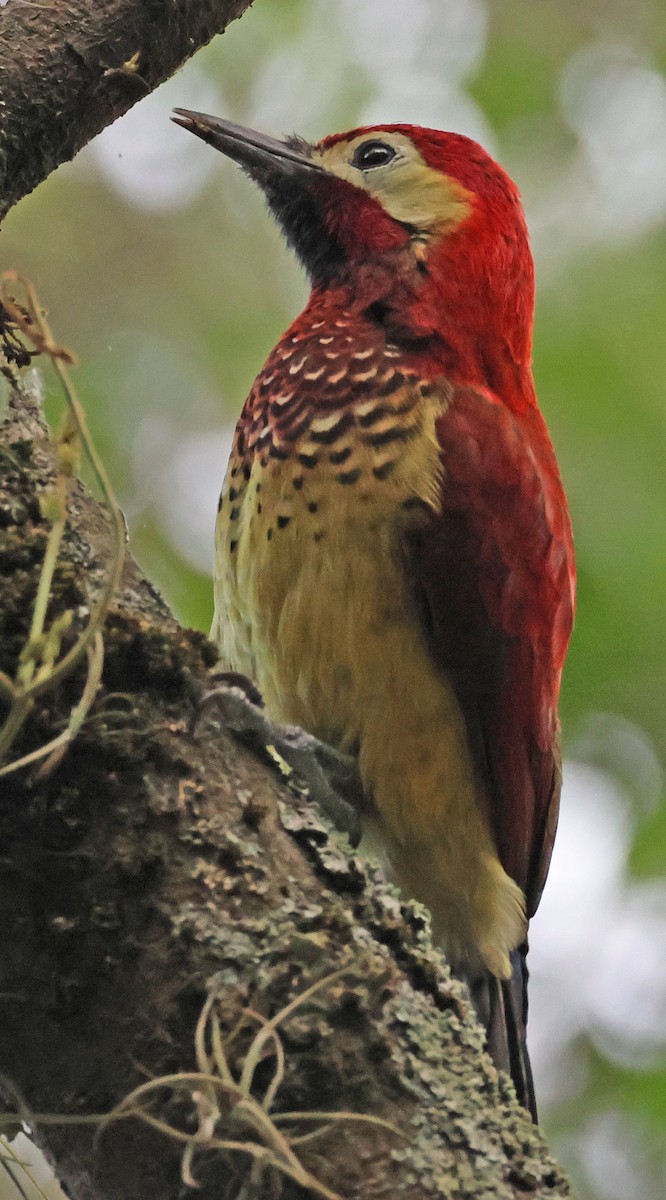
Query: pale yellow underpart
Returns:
{"type": "Point", "coordinates": [328, 631]}
{"type": "Point", "coordinates": [407, 187]}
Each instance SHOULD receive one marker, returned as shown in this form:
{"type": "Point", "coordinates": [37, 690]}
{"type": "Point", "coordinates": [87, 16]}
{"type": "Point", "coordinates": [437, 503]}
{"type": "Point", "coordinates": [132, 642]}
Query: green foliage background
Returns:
{"type": "Point", "coordinates": [172, 311]}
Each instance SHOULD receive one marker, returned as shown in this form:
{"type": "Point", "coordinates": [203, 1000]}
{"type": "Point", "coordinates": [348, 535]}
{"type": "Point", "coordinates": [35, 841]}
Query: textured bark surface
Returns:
{"type": "Point", "coordinates": [153, 861]}
{"type": "Point", "coordinates": [70, 67]}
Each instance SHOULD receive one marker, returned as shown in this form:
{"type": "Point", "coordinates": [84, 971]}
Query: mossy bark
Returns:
{"type": "Point", "coordinates": [153, 861]}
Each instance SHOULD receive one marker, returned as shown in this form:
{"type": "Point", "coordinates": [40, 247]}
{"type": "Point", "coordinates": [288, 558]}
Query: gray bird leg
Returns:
{"type": "Point", "coordinates": [330, 778]}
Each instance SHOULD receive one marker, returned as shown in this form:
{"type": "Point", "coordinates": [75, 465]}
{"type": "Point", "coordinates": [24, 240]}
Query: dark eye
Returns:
{"type": "Point", "coordinates": [372, 154]}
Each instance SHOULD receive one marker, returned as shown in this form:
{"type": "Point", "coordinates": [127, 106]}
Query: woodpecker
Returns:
{"type": "Point", "coordinates": [394, 565]}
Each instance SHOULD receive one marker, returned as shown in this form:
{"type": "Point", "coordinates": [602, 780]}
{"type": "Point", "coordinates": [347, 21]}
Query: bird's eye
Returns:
{"type": "Point", "coordinates": [372, 154]}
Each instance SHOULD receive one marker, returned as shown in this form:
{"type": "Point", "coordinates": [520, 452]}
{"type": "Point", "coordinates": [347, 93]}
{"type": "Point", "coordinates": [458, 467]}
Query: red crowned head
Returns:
{"type": "Point", "coordinates": [421, 224]}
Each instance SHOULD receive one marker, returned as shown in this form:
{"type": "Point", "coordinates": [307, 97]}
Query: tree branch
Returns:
{"type": "Point", "coordinates": [153, 871]}
{"type": "Point", "coordinates": [70, 67]}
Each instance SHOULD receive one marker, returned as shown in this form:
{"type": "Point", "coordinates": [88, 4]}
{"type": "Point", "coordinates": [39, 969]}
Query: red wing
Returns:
{"type": "Point", "coordinates": [494, 575]}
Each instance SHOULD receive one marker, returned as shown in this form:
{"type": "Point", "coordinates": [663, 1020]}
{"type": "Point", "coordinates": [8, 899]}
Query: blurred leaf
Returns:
{"type": "Point", "coordinates": [638, 1093]}
{"type": "Point", "coordinates": [648, 852]}
{"type": "Point", "coordinates": [188, 592]}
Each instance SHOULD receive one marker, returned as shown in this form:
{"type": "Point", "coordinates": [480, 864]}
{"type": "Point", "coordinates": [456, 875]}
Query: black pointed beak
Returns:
{"type": "Point", "coordinates": [289, 176]}
{"type": "Point", "coordinates": [261, 156]}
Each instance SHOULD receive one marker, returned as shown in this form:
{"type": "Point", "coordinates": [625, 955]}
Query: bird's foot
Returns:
{"type": "Point", "coordinates": [330, 778]}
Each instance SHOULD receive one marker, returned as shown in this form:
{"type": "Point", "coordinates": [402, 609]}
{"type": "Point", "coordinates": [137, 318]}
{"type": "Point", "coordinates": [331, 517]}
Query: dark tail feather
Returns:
{"type": "Point", "coordinates": [502, 1007]}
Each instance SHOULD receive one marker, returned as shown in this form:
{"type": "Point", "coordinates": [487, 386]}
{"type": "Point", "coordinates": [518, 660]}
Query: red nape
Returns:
{"type": "Point", "coordinates": [470, 303]}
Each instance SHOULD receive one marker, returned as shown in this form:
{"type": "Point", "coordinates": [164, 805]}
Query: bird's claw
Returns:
{"type": "Point", "coordinates": [330, 778]}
